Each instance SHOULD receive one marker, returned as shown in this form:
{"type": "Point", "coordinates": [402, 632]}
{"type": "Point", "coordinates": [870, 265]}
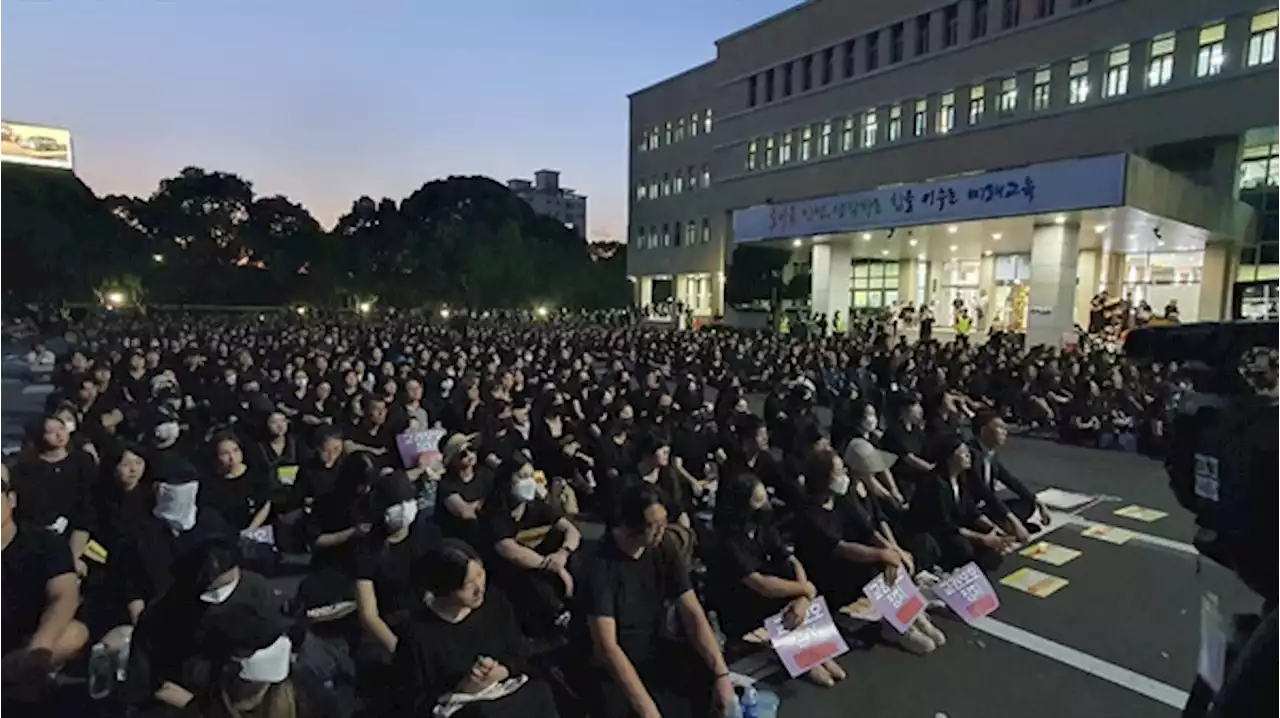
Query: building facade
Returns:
{"type": "Point", "coordinates": [548, 198]}
{"type": "Point", "coordinates": [881, 142]}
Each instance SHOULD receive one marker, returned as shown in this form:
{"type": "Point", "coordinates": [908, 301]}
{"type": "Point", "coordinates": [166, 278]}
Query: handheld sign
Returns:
{"type": "Point", "coordinates": [969, 593]}
{"type": "Point", "coordinates": [899, 604]}
{"type": "Point", "coordinates": [811, 643]}
{"type": "Point", "coordinates": [411, 445]}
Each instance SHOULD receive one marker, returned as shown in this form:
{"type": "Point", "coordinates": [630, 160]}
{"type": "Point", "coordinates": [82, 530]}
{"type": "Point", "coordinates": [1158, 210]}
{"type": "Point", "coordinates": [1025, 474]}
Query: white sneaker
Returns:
{"type": "Point", "coordinates": [926, 627]}
{"type": "Point", "coordinates": [913, 641]}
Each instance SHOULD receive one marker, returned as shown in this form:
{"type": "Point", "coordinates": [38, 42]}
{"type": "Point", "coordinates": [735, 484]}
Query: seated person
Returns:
{"type": "Point", "coordinates": [947, 508]}
{"type": "Point", "coordinates": [1018, 504]}
{"type": "Point", "coordinates": [653, 451]}
{"type": "Point", "coordinates": [41, 597]}
{"type": "Point", "coordinates": [462, 490]}
{"type": "Point", "coordinates": [528, 544]}
{"type": "Point", "coordinates": [1082, 417]}
{"type": "Point", "coordinates": [627, 667]}
{"type": "Point", "coordinates": [462, 640]}
{"type": "Point", "coordinates": [41, 362]}
{"type": "Point", "coordinates": [843, 539]}
{"type": "Point", "coordinates": [752, 573]}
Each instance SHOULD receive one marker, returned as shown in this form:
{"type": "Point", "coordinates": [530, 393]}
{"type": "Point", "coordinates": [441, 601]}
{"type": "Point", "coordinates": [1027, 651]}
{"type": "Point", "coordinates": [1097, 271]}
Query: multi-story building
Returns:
{"type": "Point", "coordinates": [548, 198]}
{"type": "Point", "coordinates": [1019, 155]}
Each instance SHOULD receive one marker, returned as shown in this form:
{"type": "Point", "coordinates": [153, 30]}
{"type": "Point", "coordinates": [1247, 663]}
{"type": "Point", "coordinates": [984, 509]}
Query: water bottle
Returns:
{"type": "Point", "coordinates": [102, 673]}
{"type": "Point", "coordinates": [122, 663]}
{"type": "Point", "coordinates": [427, 497]}
{"type": "Point", "coordinates": [750, 703]}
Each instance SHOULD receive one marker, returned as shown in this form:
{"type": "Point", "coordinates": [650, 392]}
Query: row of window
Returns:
{"type": "Point", "coordinates": [672, 132]}
{"type": "Point", "coordinates": [821, 68]}
{"type": "Point", "coordinates": [863, 130]}
{"type": "Point", "coordinates": [1260, 167]}
{"type": "Point", "coordinates": [680, 182]}
{"type": "Point", "coordinates": [679, 234]}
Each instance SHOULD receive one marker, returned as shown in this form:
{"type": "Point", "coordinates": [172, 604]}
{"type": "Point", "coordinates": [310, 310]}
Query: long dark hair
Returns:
{"type": "Point", "coordinates": [819, 469]}
{"type": "Point", "coordinates": [500, 498]}
{"type": "Point", "coordinates": [733, 502]}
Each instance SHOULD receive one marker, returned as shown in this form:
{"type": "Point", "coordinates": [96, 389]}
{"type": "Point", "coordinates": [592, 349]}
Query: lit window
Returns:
{"type": "Point", "coordinates": [642, 191]}
{"type": "Point", "coordinates": [806, 145]}
{"type": "Point", "coordinates": [824, 148]}
{"type": "Point", "coordinates": [644, 142]}
{"type": "Point", "coordinates": [654, 136]}
{"type": "Point", "coordinates": [706, 231]}
{"type": "Point", "coordinates": [653, 189]}
{"type": "Point", "coordinates": [690, 233]}
{"type": "Point", "coordinates": [666, 185]}
{"type": "Point", "coordinates": [1008, 95]}
{"type": "Point", "coordinates": [706, 175]}
{"type": "Point", "coordinates": [751, 155]}
{"type": "Point", "coordinates": [977, 103]}
{"type": "Point", "coordinates": [1117, 80]}
{"type": "Point", "coordinates": [846, 135]}
{"type": "Point", "coordinates": [1040, 88]}
{"type": "Point", "coordinates": [693, 124]}
{"type": "Point", "coordinates": [895, 123]}
{"type": "Point", "coordinates": [768, 152]}
{"type": "Point", "coordinates": [1211, 56]}
{"type": "Point", "coordinates": [666, 236]}
{"type": "Point", "coordinates": [1262, 38]}
{"type": "Point", "coordinates": [666, 134]}
{"type": "Point", "coordinates": [869, 129]}
{"type": "Point", "coordinates": [706, 121]}
{"type": "Point", "coordinates": [678, 185]}
{"type": "Point", "coordinates": [784, 151]}
{"type": "Point", "coordinates": [947, 113]}
{"type": "Point", "coordinates": [918, 119]}
{"type": "Point", "coordinates": [693, 179]}
{"type": "Point", "coordinates": [1078, 82]}
{"type": "Point", "coordinates": [680, 129]}
{"type": "Point", "coordinates": [1160, 64]}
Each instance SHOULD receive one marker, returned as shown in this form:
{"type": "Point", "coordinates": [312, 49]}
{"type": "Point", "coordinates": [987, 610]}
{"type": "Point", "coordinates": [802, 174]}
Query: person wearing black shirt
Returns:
{"type": "Point", "coordinates": [280, 453]}
{"type": "Point", "coordinates": [318, 473]}
{"type": "Point", "coordinates": [240, 493]}
{"type": "Point", "coordinates": [752, 456]}
{"type": "Point", "coordinates": [55, 484]}
{"type": "Point", "coordinates": [624, 587]}
{"type": "Point", "coordinates": [1018, 504]}
{"type": "Point", "coordinates": [528, 544]}
{"type": "Point", "coordinates": [947, 508]}
{"type": "Point", "coordinates": [41, 597]}
{"type": "Point", "coordinates": [906, 439]}
{"type": "Point", "coordinates": [462, 490]}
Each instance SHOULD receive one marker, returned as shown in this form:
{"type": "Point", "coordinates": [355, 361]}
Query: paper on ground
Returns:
{"type": "Point", "coordinates": [1110, 534]}
{"type": "Point", "coordinates": [1140, 513]}
{"type": "Point", "coordinates": [1062, 500]}
{"type": "Point", "coordinates": [1050, 553]}
{"type": "Point", "coordinates": [1036, 583]}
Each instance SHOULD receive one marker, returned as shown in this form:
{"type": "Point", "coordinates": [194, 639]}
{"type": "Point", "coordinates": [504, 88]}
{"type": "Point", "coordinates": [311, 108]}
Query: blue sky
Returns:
{"type": "Point", "coordinates": [327, 100]}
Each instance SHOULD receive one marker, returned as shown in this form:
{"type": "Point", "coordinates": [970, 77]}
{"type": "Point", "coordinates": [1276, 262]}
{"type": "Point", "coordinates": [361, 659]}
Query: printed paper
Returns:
{"type": "Point", "coordinates": [1050, 553]}
{"type": "Point", "coordinates": [1110, 534]}
{"type": "Point", "coordinates": [1141, 513]}
{"type": "Point", "coordinates": [1036, 583]}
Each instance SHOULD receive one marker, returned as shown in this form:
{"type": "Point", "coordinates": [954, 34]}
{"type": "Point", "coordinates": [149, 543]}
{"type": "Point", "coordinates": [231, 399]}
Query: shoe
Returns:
{"type": "Point", "coordinates": [913, 641]}
{"type": "Point", "coordinates": [926, 627]}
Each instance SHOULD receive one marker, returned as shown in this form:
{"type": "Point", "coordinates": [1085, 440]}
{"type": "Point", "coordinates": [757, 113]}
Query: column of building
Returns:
{"type": "Point", "coordinates": [831, 278]}
{"type": "Point", "coordinates": [1055, 256]}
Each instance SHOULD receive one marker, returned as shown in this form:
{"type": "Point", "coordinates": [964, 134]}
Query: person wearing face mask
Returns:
{"type": "Point", "coordinates": [384, 593]}
{"type": "Point", "coordinates": [752, 574]}
{"type": "Point", "coordinates": [529, 544]}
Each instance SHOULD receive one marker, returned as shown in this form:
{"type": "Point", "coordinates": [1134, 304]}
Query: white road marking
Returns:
{"type": "Point", "coordinates": [1162, 542]}
{"type": "Point", "coordinates": [1110, 672]}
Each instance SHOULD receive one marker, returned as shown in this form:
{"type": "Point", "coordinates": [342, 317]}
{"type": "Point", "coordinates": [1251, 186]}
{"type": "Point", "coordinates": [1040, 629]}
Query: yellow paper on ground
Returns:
{"type": "Point", "coordinates": [1140, 513]}
{"type": "Point", "coordinates": [1110, 534]}
{"type": "Point", "coordinates": [1036, 583]}
{"type": "Point", "coordinates": [1050, 553]}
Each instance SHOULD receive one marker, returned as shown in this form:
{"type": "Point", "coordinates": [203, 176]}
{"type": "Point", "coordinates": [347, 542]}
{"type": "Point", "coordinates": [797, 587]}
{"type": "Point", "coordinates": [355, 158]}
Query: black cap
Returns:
{"type": "Point", "coordinates": [168, 468]}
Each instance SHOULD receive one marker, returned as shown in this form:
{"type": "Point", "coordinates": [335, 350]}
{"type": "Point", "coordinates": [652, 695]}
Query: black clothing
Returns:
{"type": "Point", "coordinates": [238, 499]}
{"type": "Point", "coordinates": [34, 557]}
{"type": "Point", "coordinates": [388, 566]}
{"type": "Point", "coordinates": [755, 548]}
{"type": "Point", "coordinates": [819, 530]}
{"type": "Point", "coordinates": [151, 547]}
{"type": "Point", "coordinates": [541, 593]}
{"type": "Point", "coordinates": [1014, 496]}
{"type": "Point", "coordinates": [53, 490]}
{"type": "Point", "coordinates": [940, 509]}
{"type": "Point", "coordinates": [451, 484]}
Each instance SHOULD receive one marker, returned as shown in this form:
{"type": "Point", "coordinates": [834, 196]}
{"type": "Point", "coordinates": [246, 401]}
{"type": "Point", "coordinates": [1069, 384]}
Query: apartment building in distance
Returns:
{"type": "Point", "coordinates": [1018, 155]}
{"type": "Point", "coordinates": [548, 198]}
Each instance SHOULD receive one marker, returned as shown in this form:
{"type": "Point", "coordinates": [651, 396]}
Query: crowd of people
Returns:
{"type": "Point", "coordinates": [229, 495]}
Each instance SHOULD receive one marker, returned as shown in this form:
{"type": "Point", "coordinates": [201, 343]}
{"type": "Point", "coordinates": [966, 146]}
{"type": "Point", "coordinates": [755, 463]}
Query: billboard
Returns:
{"type": "Point", "coordinates": [35, 145]}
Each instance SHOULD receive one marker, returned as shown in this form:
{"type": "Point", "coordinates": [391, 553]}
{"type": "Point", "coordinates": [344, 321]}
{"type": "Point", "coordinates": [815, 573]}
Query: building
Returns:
{"type": "Point", "coordinates": [548, 198]}
{"type": "Point", "coordinates": [1019, 155]}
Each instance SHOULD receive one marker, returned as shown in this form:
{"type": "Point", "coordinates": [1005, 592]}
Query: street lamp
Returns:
{"type": "Point", "coordinates": [444, 313]}
{"type": "Point", "coordinates": [365, 307]}
{"type": "Point", "coordinates": [157, 258]}
{"type": "Point", "coordinates": [116, 299]}
{"type": "Point", "coordinates": [542, 312]}
{"type": "Point", "coordinates": [302, 311]}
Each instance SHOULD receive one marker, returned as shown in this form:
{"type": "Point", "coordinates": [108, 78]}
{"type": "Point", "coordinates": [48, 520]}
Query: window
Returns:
{"type": "Point", "coordinates": [872, 47]}
{"type": "Point", "coordinates": [977, 103]}
{"type": "Point", "coordinates": [824, 146]}
{"type": "Point", "coordinates": [846, 135]}
{"type": "Point", "coordinates": [768, 152]}
{"type": "Point", "coordinates": [919, 118]}
{"type": "Point", "coordinates": [768, 85]}
{"type": "Point", "coordinates": [644, 142]}
{"type": "Point", "coordinates": [1260, 166]}
{"type": "Point", "coordinates": [828, 60]}
{"type": "Point", "coordinates": [693, 125]}
{"type": "Point", "coordinates": [706, 232]}
{"type": "Point", "coordinates": [847, 59]}
{"type": "Point", "coordinates": [666, 185]}
{"type": "Point", "coordinates": [1117, 80]}
{"type": "Point", "coordinates": [653, 189]}
{"type": "Point", "coordinates": [641, 191]}
{"type": "Point", "coordinates": [875, 284]}
{"type": "Point", "coordinates": [951, 25]}
{"type": "Point", "coordinates": [666, 236]}
{"type": "Point", "coordinates": [1211, 57]}
{"type": "Point", "coordinates": [1045, 8]}
{"type": "Point", "coordinates": [895, 44]}
{"type": "Point", "coordinates": [784, 154]}
{"type": "Point", "coordinates": [806, 144]}
{"type": "Point", "coordinates": [1009, 14]}
{"type": "Point", "coordinates": [1008, 95]}
{"type": "Point", "coordinates": [1040, 89]}
{"type": "Point", "coordinates": [922, 34]}
{"type": "Point", "coordinates": [706, 121]}
{"type": "Point", "coordinates": [654, 137]}
{"type": "Point", "coordinates": [676, 233]}
{"type": "Point", "coordinates": [895, 123]}
{"type": "Point", "coordinates": [751, 155]}
{"type": "Point", "coordinates": [1262, 39]}
{"type": "Point", "coordinates": [693, 178]}
{"type": "Point", "coordinates": [1078, 81]}
{"type": "Point", "coordinates": [946, 113]}
{"type": "Point", "coordinates": [786, 79]}
{"type": "Point", "coordinates": [978, 23]}
{"type": "Point", "coordinates": [666, 134]}
{"type": "Point", "coordinates": [678, 185]}
{"type": "Point", "coordinates": [706, 174]}
{"type": "Point", "coordinates": [680, 129]}
{"type": "Point", "coordinates": [690, 233]}
{"type": "Point", "coordinates": [869, 129]}
{"type": "Point", "coordinates": [806, 73]}
{"type": "Point", "coordinates": [1160, 64]}
{"type": "Point", "coordinates": [751, 91]}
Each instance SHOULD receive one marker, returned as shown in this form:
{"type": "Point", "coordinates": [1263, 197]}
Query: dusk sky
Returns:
{"type": "Point", "coordinates": [327, 100]}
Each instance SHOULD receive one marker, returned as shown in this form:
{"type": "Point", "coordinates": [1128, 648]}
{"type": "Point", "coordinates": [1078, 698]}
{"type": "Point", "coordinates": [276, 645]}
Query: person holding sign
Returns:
{"type": "Point", "coordinates": [753, 575]}
{"type": "Point", "coordinates": [947, 505]}
{"type": "Point", "coordinates": [843, 538]}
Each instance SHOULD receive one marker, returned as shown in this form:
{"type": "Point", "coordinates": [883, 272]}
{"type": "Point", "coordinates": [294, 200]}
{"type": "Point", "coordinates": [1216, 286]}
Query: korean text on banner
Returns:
{"type": "Point", "coordinates": [969, 593]}
{"type": "Point", "coordinates": [815, 640]}
{"type": "Point", "coordinates": [900, 603]}
{"type": "Point", "coordinates": [413, 444]}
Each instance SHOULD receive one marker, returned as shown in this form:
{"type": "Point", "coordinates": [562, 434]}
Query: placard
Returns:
{"type": "Point", "coordinates": [1033, 582]}
{"type": "Point", "coordinates": [899, 603]}
{"type": "Point", "coordinates": [968, 592]}
{"type": "Point", "coordinates": [811, 643]}
{"type": "Point", "coordinates": [413, 444]}
{"type": "Point", "coordinates": [1050, 553]}
{"type": "Point", "coordinates": [1140, 513]}
{"type": "Point", "coordinates": [1110, 534]}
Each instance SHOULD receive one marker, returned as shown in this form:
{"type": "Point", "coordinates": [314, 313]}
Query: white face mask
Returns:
{"type": "Point", "coordinates": [231, 379]}
{"type": "Point", "coordinates": [269, 665]}
{"type": "Point", "coordinates": [840, 484]}
{"type": "Point", "coordinates": [401, 515]}
{"type": "Point", "coordinates": [524, 490]}
{"type": "Point", "coordinates": [168, 431]}
{"type": "Point", "coordinates": [222, 593]}
{"type": "Point", "coordinates": [300, 382]}
{"type": "Point", "coordinates": [176, 505]}
{"type": "Point", "coordinates": [870, 423]}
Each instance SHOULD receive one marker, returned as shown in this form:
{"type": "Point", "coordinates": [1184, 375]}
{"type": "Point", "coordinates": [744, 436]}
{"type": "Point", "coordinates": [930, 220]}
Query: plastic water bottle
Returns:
{"type": "Point", "coordinates": [750, 703]}
{"type": "Point", "coordinates": [102, 672]}
{"type": "Point", "coordinates": [427, 497]}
